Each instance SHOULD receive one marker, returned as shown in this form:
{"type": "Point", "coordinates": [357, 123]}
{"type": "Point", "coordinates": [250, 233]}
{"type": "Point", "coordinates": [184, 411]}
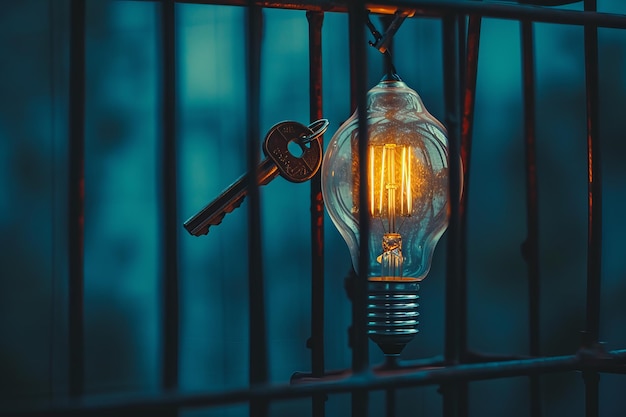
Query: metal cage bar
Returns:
{"type": "Point", "coordinates": [357, 17]}
{"type": "Point", "coordinates": [471, 43]}
{"type": "Point", "coordinates": [530, 247]}
{"type": "Point", "coordinates": [76, 200]}
{"type": "Point", "coordinates": [258, 362]}
{"type": "Point", "coordinates": [316, 341]}
{"type": "Point", "coordinates": [467, 123]}
{"type": "Point", "coordinates": [454, 320]}
{"type": "Point", "coordinates": [594, 203]}
{"type": "Point", "coordinates": [169, 245]}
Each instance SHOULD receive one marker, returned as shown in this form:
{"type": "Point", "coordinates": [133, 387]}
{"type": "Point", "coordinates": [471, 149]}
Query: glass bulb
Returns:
{"type": "Point", "coordinates": [407, 183]}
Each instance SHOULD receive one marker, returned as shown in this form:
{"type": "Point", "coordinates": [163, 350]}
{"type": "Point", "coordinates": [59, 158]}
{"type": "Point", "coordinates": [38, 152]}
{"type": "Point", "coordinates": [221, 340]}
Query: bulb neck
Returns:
{"type": "Point", "coordinates": [392, 312]}
{"type": "Point", "coordinates": [390, 75]}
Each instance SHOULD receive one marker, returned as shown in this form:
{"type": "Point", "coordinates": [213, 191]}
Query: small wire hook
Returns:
{"type": "Point", "coordinates": [317, 129]}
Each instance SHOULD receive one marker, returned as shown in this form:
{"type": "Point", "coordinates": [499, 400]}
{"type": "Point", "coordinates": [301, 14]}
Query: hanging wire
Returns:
{"type": "Point", "coordinates": [381, 42]}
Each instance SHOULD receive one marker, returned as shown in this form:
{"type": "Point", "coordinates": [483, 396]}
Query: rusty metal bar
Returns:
{"type": "Point", "coordinates": [257, 325]}
{"type": "Point", "coordinates": [357, 42]}
{"type": "Point", "coordinates": [419, 364]}
{"type": "Point", "coordinates": [377, 380]}
{"type": "Point", "coordinates": [467, 123]}
{"type": "Point", "coordinates": [76, 199]}
{"type": "Point", "coordinates": [169, 246]}
{"type": "Point", "coordinates": [435, 8]}
{"type": "Point", "coordinates": [316, 342]}
{"type": "Point", "coordinates": [453, 393]}
{"type": "Point", "coordinates": [594, 242]}
{"type": "Point", "coordinates": [451, 89]}
{"type": "Point", "coordinates": [594, 238]}
{"type": "Point", "coordinates": [357, 19]}
{"type": "Point", "coordinates": [530, 248]}
{"type": "Point", "coordinates": [405, 366]}
{"type": "Point", "coordinates": [463, 387]}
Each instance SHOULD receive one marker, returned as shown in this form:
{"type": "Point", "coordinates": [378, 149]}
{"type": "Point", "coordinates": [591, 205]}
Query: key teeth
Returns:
{"type": "Point", "coordinates": [235, 204]}
{"type": "Point", "coordinates": [201, 232]}
{"type": "Point", "coordinates": [218, 219]}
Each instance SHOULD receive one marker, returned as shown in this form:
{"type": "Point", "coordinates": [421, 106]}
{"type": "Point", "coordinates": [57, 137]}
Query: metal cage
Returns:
{"type": "Point", "coordinates": [457, 368]}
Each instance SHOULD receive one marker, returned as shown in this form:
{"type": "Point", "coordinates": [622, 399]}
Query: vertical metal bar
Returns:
{"type": "Point", "coordinates": [462, 297]}
{"type": "Point", "coordinates": [386, 20]}
{"type": "Point", "coordinates": [452, 393]}
{"type": "Point", "coordinates": [358, 75]}
{"type": "Point", "coordinates": [463, 387]}
{"type": "Point", "coordinates": [594, 237]}
{"type": "Point", "coordinates": [462, 51]}
{"type": "Point", "coordinates": [53, 51]}
{"type": "Point", "coordinates": [170, 333]}
{"type": "Point", "coordinates": [358, 66]}
{"type": "Point", "coordinates": [169, 246]}
{"type": "Point", "coordinates": [451, 87]}
{"type": "Point", "coordinates": [469, 99]}
{"type": "Point", "coordinates": [468, 53]}
{"type": "Point", "coordinates": [257, 336]}
{"type": "Point", "coordinates": [530, 248]}
{"type": "Point", "coordinates": [76, 198]}
{"type": "Point", "coordinates": [594, 242]}
{"type": "Point", "coordinates": [316, 342]}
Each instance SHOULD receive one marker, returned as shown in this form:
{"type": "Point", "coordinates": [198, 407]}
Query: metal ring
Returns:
{"type": "Point", "coordinates": [317, 129]}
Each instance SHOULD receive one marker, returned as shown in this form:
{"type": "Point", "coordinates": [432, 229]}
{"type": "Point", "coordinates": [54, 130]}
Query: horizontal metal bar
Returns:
{"type": "Point", "coordinates": [432, 8]}
{"type": "Point", "coordinates": [377, 379]}
{"type": "Point", "coordinates": [615, 369]}
{"type": "Point", "coordinates": [392, 363]}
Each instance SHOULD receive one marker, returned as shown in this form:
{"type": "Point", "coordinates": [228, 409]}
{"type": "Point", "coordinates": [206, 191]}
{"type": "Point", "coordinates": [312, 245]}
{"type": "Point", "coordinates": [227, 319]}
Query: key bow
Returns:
{"type": "Point", "coordinates": [294, 168]}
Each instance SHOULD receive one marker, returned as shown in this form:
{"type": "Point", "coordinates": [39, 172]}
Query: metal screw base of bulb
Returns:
{"type": "Point", "coordinates": [392, 313]}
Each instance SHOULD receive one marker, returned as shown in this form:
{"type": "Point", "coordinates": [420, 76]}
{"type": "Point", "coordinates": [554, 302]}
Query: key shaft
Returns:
{"type": "Point", "coordinates": [229, 200]}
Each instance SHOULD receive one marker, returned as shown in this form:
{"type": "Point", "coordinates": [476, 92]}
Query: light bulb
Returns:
{"type": "Point", "coordinates": [407, 189]}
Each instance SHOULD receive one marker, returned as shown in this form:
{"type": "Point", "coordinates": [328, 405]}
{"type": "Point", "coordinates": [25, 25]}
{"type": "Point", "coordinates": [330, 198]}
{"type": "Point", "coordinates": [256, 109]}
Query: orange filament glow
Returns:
{"type": "Point", "coordinates": [390, 182]}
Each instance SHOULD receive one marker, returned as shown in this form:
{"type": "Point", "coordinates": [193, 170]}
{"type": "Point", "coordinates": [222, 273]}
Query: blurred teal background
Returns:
{"type": "Point", "coordinates": [122, 229]}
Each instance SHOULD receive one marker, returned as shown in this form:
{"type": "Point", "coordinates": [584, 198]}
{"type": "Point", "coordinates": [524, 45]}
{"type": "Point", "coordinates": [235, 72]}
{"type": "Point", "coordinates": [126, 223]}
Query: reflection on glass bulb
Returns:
{"type": "Point", "coordinates": [407, 183]}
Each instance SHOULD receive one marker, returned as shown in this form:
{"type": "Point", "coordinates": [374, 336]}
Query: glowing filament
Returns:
{"type": "Point", "coordinates": [390, 185]}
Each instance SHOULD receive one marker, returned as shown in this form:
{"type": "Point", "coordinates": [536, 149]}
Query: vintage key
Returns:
{"type": "Point", "coordinates": [279, 160]}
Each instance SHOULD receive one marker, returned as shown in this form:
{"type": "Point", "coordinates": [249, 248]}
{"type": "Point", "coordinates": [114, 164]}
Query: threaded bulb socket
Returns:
{"type": "Point", "coordinates": [392, 312]}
